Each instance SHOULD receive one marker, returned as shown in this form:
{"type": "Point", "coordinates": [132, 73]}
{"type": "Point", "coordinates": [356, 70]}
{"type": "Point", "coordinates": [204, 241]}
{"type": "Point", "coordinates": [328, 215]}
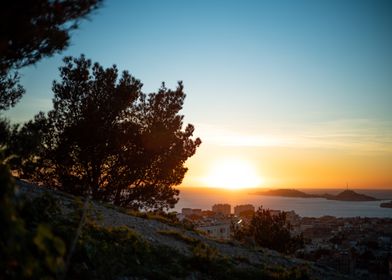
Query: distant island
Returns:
{"type": "Point", "coordinates": [386, 204]}
{"type": "Point", "coordinates": [287, 193]}
{"type": "Point", "coordinates": [346, 195]}
{"type": "Point", "coordinates": [349, 195]}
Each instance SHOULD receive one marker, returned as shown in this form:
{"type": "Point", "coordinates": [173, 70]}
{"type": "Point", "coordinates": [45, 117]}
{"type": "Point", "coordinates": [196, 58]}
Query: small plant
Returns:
{"type": "Point", "coordinates": [206, 258]}
{"type": "Point", "coordinates": [180, 236]}
{"type": "Point", "coordinates": [295, 273]}
{"type": "Point", "coordinates": [243, 259]}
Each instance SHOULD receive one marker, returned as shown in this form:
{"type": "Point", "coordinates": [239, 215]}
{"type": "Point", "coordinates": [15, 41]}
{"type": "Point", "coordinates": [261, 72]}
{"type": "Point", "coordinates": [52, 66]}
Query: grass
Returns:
{"type": "Point", "coordinates": [180, 236]}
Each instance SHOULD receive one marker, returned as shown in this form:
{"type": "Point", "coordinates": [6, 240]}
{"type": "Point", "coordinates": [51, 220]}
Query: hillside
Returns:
{"type": "Point", "coordinates": [118, 244]}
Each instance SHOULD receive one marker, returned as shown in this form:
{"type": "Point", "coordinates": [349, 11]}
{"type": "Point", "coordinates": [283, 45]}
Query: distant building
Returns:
{"type": "Point", "coordinates": [275, 212]}
{"type": "Point", "coordinates": [219, 229]}
{"type": "Point", "coordinates": [293, 218]}
{"type": "Point", "coordinates": [243, 208]}
{"type": "Point", "coordinates": [191, 212]}
{"type": "Point", "coordinates": [224, 209]}
{"type": "Point", "coordinates": [180, 216]}
{"type": "Point", "coordinates": [207, 213]}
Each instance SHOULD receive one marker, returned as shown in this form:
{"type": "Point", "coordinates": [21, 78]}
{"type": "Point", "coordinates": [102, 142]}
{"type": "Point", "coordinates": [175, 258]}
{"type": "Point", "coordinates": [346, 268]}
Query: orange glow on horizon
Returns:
{"type": "Point", "coordinates": [233, 174]}
{"type": "Point", "coordinates": [238, 168]}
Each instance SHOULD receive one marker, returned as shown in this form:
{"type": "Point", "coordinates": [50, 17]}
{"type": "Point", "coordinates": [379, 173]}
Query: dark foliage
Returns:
{"type": "Point", "coordinates": [24, 143]}
{"type": "Point", "coordinates": [28, 247]}
{"type": "Point", "coordinates": [10, 90]}
{"type": "Point", "coordinates": [31, 30]}
{"type": "Point", "coordinates": [107, 139]}
{"type": "Point", "coordinates": [270, 231]}
{"type": "Point", "coordinates": [5, 132]}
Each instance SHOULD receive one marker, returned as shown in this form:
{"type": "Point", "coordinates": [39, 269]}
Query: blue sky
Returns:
{"type": "Point", "coordinates": [270, 73]}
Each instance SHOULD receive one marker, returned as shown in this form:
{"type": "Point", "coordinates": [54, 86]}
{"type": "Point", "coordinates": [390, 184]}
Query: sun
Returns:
{"type": "Point", "coordinates": [233, 174]}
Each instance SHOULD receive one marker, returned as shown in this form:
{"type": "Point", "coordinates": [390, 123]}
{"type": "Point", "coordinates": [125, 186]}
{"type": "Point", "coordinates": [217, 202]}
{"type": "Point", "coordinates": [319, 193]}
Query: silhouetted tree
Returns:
{"type": "Point", "coordinates": [31, 30]}
{"type": "Point", "coordinates": [24, 143]}
{"type": "Point", "coordinates": [10, 90]}
{"type": "Point", "coordinates": [5, 132]}
{"type": "Point", "coordinates": [270, 231]}
{"type": "Point", "coordinates": [107, 139]}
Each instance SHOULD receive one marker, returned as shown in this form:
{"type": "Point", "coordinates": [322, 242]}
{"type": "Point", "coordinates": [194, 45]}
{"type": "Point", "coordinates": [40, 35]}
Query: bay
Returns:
{"type": "Point", "coordinates": [305, 207]}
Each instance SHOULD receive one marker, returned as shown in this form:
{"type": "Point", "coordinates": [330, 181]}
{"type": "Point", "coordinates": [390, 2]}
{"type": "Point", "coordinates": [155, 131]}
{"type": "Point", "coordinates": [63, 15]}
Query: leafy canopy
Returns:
{"type": "Point", "coordinates": [31, 30]}
{"type": "Point", "coordinates": [106, 138]}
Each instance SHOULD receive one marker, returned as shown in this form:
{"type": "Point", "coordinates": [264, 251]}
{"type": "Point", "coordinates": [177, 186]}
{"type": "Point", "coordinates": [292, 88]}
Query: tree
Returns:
{"type": "Point", "coordinates": [10, 90]}
{"type": "Point", "coordinates": [31, 30]}
{"type": "Point", "coordinates": [270, 231]}
{"type": "Point", "coordinates": [5, 132]}
{"type": "Point", "coordinates": [24, 143]}
{"type": "Point", "coordinates": [107, 139]}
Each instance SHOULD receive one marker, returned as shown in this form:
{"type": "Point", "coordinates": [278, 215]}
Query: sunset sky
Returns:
{"type": "Point", "coordinates": [282, 93]}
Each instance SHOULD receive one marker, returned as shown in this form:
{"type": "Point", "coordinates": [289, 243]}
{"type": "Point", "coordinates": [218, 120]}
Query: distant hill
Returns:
{"type": "Point", "coordinates": [349, 195]}
{"type": "Point", "coordinates": [346, 195]}
{"type": "Point", "coordinates": [286, 193]}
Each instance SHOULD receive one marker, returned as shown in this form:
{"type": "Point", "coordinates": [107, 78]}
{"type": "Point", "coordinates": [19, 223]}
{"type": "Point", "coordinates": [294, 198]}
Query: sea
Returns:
{"type": "Point", "coordinates": [305, 207]}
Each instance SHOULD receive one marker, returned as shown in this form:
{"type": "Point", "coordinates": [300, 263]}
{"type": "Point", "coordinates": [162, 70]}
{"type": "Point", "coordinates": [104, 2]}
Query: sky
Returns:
{"type": "Point", "coordinates": [294, 93]}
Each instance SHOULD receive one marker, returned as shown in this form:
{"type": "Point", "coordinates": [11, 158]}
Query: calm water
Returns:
{"type": "Point", "coordinates": [305, 207]}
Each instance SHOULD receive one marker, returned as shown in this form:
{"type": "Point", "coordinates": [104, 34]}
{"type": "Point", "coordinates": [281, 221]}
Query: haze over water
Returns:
{"type": "Point", "coordinates": [305, 207]}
